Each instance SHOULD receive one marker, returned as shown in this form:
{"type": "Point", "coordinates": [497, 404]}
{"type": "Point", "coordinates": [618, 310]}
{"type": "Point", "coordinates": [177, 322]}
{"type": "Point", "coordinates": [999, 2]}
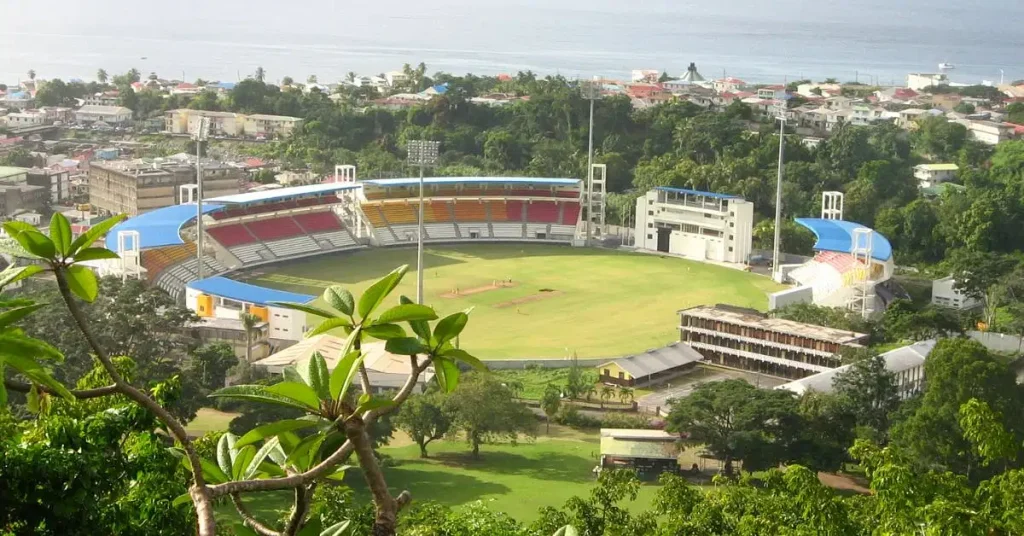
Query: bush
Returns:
{"type": "Point", "coordinates": [625, 420]}
{"type": "Point", "coordinates": [569, 415]}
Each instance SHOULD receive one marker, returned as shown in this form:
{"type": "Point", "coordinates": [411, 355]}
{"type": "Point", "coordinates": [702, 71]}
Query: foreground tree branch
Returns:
{"type": "Point", "coordinates": [248, 518]}
{"type": "Point", "coordinates": [81, 394]}
{"type": "Point", "coordinates": [199, 492]}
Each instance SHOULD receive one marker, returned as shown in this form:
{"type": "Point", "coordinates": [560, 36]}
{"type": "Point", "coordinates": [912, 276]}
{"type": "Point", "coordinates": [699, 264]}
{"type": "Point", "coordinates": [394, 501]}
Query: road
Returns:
{"type": "Point", "coordinates": [684, 385]}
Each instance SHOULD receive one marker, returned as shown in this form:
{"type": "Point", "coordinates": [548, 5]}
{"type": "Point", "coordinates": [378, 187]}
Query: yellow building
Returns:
{"type": "Point", "coordinates": [230, 124]}
{"type": "Point", "coordinates": [651, 367]}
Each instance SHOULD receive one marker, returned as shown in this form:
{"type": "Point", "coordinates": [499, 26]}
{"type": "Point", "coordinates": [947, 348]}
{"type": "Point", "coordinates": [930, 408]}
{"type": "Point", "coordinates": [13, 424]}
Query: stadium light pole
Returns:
{"type": "Point", "coordinates": [780, 110]}
{"type": "Point", "coordinates": [422, 153]}
{"type": "Point", "coordinates": [591, 91]}
{"type": "Point", "coordinates": [200, 135]}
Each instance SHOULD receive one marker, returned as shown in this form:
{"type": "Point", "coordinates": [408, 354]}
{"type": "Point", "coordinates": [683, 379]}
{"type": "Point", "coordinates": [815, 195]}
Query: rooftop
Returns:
{"type": "Point", "coordinates": [837, 235]}
{"type": "Point", "coordinates": [244, 292]}
{"type": "Point", "coordinates": [757, 320]}
{"type": "Point", "coordinates": [647, 444]}
{"type": "Point", "coordinates": [7, 171]}
{"type": "Point", "coordinates": [659, 360]}
{"type": "Point", "coordinates": [697, 192]}
{"type": "Point", "coordinates": [898, 360]}
{"type": "Point", "coordinates": [97, 109]}
{"type": "Point", "coordinates": [285, 193]}
{"type": "Point", "coordinates": [937, 167]}
{"type": "Point", "coordinates": [460, 180]}
{"type": "Point", "coordinates": [160, 227]}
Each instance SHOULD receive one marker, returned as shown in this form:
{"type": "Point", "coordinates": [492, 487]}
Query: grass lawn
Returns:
{"type": "Point", "coordinates": [536, 380]}
{"type": "Point", "coordinates": [563, 300]}
{"type": "Point", "coordinates": [209, 420]}
{"type": "Point", "coordinates": [515, 479]}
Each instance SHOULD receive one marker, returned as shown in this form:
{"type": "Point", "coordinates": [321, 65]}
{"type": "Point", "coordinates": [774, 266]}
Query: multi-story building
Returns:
{"type": "Point", "coordinates": [16, 197]}
{"type": "Point", "coordinates": [111, 115]}
{"type": "Point", "coordinates": [746, 339]}
{"type": "Point", "coordinates": [230, 124]}
{"type": "Point", "coordinates": [57, 182]}
{"type": "Point", "coordinates": [989, 132]}
{"type": "Point", "coordinates": [109, 98]}
{"type": "Point", "coordinates": [700, 225]}
{"type": "Point", "coordinates": [28, 118]}
{"type": "Point", "coordinates": [945, 294]}
{"type": "Point", "coordinates": [906, 363]}
{"type": "Point", "coordinates": [136, 186]}
{"type": "Point", "coordinates": [919, 81]}
{"type": "Point", "coordinates": [929, 175]}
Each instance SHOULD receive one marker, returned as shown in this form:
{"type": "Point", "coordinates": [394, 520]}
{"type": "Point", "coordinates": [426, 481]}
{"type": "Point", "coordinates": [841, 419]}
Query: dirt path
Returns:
{"type": "Point", "coordinates": [527, 299]}
{"type": "Point", "coordinates": [458, 293]}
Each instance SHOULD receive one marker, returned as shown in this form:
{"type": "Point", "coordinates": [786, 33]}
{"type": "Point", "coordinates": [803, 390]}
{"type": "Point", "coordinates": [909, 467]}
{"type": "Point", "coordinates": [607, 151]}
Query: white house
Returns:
{"type": "Point", "coordinates": [989, 132]}
{"type": "Point", "coordinates": [929, 175]}
{"type": "Point", "coordinates": [728, 84]}
{"type": "Point", "coordinates": [396, 78]}
{"type": "Point", "coordinates": [945, 294]}
{"type": "Point", "coordinates": [28, 118]}
{"type": "Point", "coordinates": [220, 297]}
{"type": "Point", "coordinates": [919, 81]}
{"type": "Point", "coordinates": [698, 225]}
{"type": "Point", "coordinates": [111, 115]}
{"type": "Point", "coordinates": [906, 362]}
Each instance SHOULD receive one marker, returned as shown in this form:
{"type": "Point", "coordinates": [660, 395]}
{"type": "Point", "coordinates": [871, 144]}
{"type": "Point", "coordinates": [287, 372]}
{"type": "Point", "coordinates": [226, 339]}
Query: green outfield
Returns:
{"type": "Point", "coordinates": [561, 300]}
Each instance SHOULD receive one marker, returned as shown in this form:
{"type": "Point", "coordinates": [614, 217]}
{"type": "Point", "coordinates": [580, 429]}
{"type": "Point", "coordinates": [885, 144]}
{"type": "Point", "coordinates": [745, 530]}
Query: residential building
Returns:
{"type": "Point", "coordinates": [134, 187]}
{"type": "Point", "coordinates": [648, 453]}
{"type": "Point", "coordinates": [819, 90]}
{"type": "Point", "coordinates": [13, 175]}
{"type": "Point", "coordinates": [945, 294]}
{"type": "Point", "coordinates": [185, 88]}
{"type": "Point", "coordinates": [396, 78]}
{"type": "Point", "coordinates": [17, 100]}
{"type": "Point", "coordinates": [26, 119]}
{"type": "Point", "coordinates": [19, 197]}
{"type": "Point", "coordinates": [651, 367]}
{"type": "Point", "coordinates": [646, 76]}
{"type": "Point", "coordinates": [908, 116]}
{"type": "Point", "coordinates": [58, 113]}
{"type": "Point", "coordinates": [109, 98]}
{"type": "Point", "coordinates": [896, 94]}
{"type": "Point", "coordinates": [866, 115]}
{"type": "Point", "coordinates": [700, 225]}
{"type": "Point", "coordinates": [270, 126]}
{"type": "Point", "coordinates": [746, 339]}
{"type": "Point", "coordinates": [728, 85]}
{"type": "Point", "coordinates": [775, 92]}
{"type": "Point", "coordinates": [57, 182]}
{"type": "Point", "coordinates": [184, 121]}
{"type": "Point", "coordinates": [111, 115]}
{"type": "Point", "coordinates": [990, 132]}
{"type": "Point", "coordinates": [929, 175]}
{"type": "Point", "coordinates": [919, 81]}
{"type": "Point", "coordinates": [906, 363]}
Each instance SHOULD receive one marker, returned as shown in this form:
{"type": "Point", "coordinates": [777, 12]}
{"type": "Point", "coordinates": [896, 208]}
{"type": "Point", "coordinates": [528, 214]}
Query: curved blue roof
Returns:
{"type": "Point", "coordinates": [837, 235]}
{"type": "Point", "coordinates": [244, 292]}
{"type": "Point", "coordinates": [286, 193]}
{"type": "Point", "coordinates": [459, 180]}
{"type": "Point", "coordinates": [159, 227]}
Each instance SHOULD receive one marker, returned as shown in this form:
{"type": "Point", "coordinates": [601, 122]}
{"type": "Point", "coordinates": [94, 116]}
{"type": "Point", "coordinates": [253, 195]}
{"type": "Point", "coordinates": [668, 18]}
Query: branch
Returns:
{"type": "Point", "coordinates": [81, 394]}
{"type": "Point", "coordinates": [248, 518]}
{"type": "Point", "coordinates": [299, 510]}
{"type": "Point", "coordinates": [200, 494]}
{"type": "Point", "coordinates": [324, 467]}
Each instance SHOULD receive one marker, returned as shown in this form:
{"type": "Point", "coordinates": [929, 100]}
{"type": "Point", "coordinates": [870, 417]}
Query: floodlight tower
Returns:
{"type": "Point", "coordinates": [200, 134]}
{"type": "Point", "coordinates": [863, 251]}
{"type": "Point", "coordinates": [780, 114]}
{"type": "Point", "coordinates": [832, 205]}
{"type": "Point", "coordinates": [422, 153]}
{"type": "Point", "coordinates": [592, 92]}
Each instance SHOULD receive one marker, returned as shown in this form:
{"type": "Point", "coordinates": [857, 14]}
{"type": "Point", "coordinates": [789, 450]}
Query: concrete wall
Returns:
{"type": "Point", "coordinates": [997, 342]}
{"type": "Point", "coordinates": [782, 298]}
{"type": "Point", "coordinates": [513, 364]}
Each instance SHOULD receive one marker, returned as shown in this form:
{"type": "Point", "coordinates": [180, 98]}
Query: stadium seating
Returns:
{"type": "Point", "coordinates": [570, 213]}
{"type": "Point", "coordinates": [157, 260]}
{"type": "Point", "coordinates": [334, 239]}
{"type": "Point", "coordinates": [467, 230]}
{"type": "Point", "coordinates": [513, 211]}
{"type": "Point", "coordinates": [252, 253]}
{"type": "Point", "coordinates": [497, 211]}
{"type": "Point", "coordinates": [545, 212]}
{"type": "Point", "coordinates": [315, 222]}
{"type": "Point", "coordinates": [566, 231]}
{"type": "Point", "coordinates": [440, 231]}
{"type": "Point", "coordinates": [274, 228]}
{"type": "Point", "coordinates": [823, 279]}
{"type": "Point", "coordinates": [470, 211]}
{"type": "Point", "coordinates": [231, 235]}
{"type": "Point", "coordinates": [508, 230]}
{"type": "Point", "coordinates": [291, 247]}
{"type": "Point", "coordinates": [438, 211]}
{"type": "Point", "coordinates": [399, 213]}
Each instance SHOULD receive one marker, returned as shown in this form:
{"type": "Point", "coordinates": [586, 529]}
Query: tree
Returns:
{"type": "Point", "coordinates": [820, 315]}
{"type": "Point", "coordinates": [311, 79]}
{"type": "Point", "coordinates": [485, 410]}
{"type": "Point", "coordinates": [209, 365]}
{"type": "Point", "coordinates": [101, 76]}
{"type": "Point", "coordinates": [964, 108]}
{"type": "Point", "coordinates": [576, 384]}
{"type": "Point", "coordinates": [287, 81]}
{"type": "Point", "coordinates": [424, 419]}
{"type": "Point", "coordinates": [735, 420]}
{"type": "Point", "coordinates": [249, 324]}
{"type": "Point", "coordinates": [625, 394]}
{"type": "Point", "coordinates": [1015, 113]}
{"type": "Point", "coordinates": [870, 391]}
{"type": "Point", "coordinates": [939, 137]}
{"type": "Point", "coordinates": [550, 402]}
{"type": "Point", "coordinates": [260, 74]}
{"type": "Point", "coordinates": [795, 238]}
{"type": "Point", "coordinates": [607, 393]}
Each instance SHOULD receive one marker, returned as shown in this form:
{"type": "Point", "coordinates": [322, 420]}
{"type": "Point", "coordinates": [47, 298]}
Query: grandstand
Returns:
{"type": "Point", "coordinates": [849, 267]}
{"type": "Point", "coordinates": [256, 228]}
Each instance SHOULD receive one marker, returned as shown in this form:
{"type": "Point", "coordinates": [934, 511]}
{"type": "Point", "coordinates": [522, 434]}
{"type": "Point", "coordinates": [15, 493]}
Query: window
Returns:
{"type": "Point", "coordinates": [607, 372]}
{"type": "Point", "coordinates": [730, 249]}
{"type": "Point", "coordinates": [732, 224]}
{"type": "Point", "coordinates": [650, 212]}
{"type": "Point", "coordinates": [650, 237]}
{"type": "Point", "coordinates": [622, 376]}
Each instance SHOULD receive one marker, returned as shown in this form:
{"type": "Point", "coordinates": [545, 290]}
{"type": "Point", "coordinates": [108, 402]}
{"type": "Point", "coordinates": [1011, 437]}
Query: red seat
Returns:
{"type": "Point", "coordinates": [542, 212]}
{"type": "Point", "coordinates": [571, 214]}
{"type": "Point", "coordinates": [231, 235]}
{"type": "Point", "coordinates": [514, 210]}
{"type": "Point", "coordinates": [318, 222]}
{"type": "Point", "coordinates": [275, 228]}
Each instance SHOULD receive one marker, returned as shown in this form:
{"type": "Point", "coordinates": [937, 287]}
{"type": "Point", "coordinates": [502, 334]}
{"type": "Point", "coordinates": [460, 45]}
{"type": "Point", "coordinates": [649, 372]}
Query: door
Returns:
{"type": "Point", "coordinates": [663, 239]}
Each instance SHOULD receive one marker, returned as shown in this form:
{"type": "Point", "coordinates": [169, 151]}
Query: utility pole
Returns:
{"type": "Point", "coordinates": [776, 271]}
{"type": "Point", "coordinates": [200, 135]}
{"type": "Point", "coordinates": [591, 92]}
{"type": "Point", "coordinates": [422, 153]}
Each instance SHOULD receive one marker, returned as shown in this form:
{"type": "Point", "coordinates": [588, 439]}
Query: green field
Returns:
{"type": "Point", "coordinates": [563, 300]}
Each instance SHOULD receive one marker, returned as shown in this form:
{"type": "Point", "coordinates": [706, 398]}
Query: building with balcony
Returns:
{"type": "Point", "coordinates": [945, 294]}
{"type": "Point", "coordinates": [929, 175]}
{"type": "Point", "coordinates": [111, 115]}
{"type": "Point", "coordinates": [906, 363]}
{"type": "Point", "coordinates": [746, 339]}
{"type": "Point", "coordinates": [699, 225]}
{"type": "Point", "coordinates": [230, 124]}
{"type": "Point", "coordinates": [134, 187]}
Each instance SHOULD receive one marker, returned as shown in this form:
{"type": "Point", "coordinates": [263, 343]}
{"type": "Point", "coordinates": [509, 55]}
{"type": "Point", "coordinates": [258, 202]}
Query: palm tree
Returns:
{"type": "Point", "coordinates": [261, 75]}
{"type": "Point", "coordinates": [591, 392]}
{"type": "Point", "coordinates": [351, 76]}
{"type": "Point", "coordinates": [249, 323]}
{"type": "Point", "coordinates": [607, 393]}
{"type": "Point", "coordinates": [101, 76]}
{"type": "Point", "coordinates": [287, 81]}
{"type": "Point", "coordinates": [625, 395]}
{"type": "Point", "coordinates": [32, 74]}
{"type": "Point", "coordinates": [134, 75]}
{"type": "Point", "coordinates": [311, 79]}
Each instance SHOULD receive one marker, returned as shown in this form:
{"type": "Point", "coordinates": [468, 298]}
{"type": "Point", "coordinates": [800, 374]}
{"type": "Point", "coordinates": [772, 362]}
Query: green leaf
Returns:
{"type": "Point", "coordinates": [36, 243]}
{"type": "Point", "coordinates": [291, 375]}
{"type": "Point", "coordinates": [384, 331]}
{"type": "Point", "coordinates": [305, 452]}
{"type": "Point", "coordinates": [257, 460]}
{"type": "Point", "coordinates": [95, 254]}
{"type": "Point", "coordinates": [184, 498]}
{"type": "Point", "coordinates": [243, 457]}
{"type": "Point", "coordinates": [463, 356]}
{"type": "Point", "coordinates": [343, 373]}
{"type": "Point", "coordinates": [374, 404]}
{"type": "Point", "coordinates": [337, 529]}
{"type": "Point", "coordinates": [225, 451]}
{"type": "Point", "coordinates": [3, 388]}
{"type": "Point", "coordinates": [14, 227]}
{"type": "Point", "coordinates": [13, 342]}
{"type": "Point", "coordinates": [288, 442]}
{"type": "Point", "coordinates": [312, 527]}
{"type": "Point", "coordinates": [273, 429]}
{"type": "Point", "coordinates": [447, 374]}
{"type": "Point", "coordinates": [241, 529]}
{"type": "Point", "coordinates": [319, 377]}
{"type": "Point", "coordinates": [339, 472]}
{"type": "Point", "coordinates": [449, 327]}
{"type": "Point", "coordinates": [330, 324]}
{"type": "Point", "coordinates": [340, 299]}
{"type": "Point", "coordinates": [271, 469]}
{"type": "Point", "coordinates": [87, 238]}
{"type": "Point", "coordinates": [82, 282]}
{"type": "Point", "coordinates": [420, 327]}
{"type": "Point", "coordinates": [309, 309]}
{"type": "Point", "coordinates": [33, 399]}
{"type": "Point", "coordinates": [32, 370]}
{"type": "Point", "coordinates": [375, 295]}
{"type": "Point", "coordinates": [60, 233]}
{"type": "Point", "coordinates": [13, 315]}
{"type": "Point", "coordinates": [212, 473]}
{"type": "Point", "coordinates": [296, 391]}
{"type": "Point", "coordinates": [405, 313]}
{"type": "Point", "coordinates": [405, 346]}
{"type": "Point", "coordinates": [13, 274]}
{"type": "Point", "coordinates": [263, 393]}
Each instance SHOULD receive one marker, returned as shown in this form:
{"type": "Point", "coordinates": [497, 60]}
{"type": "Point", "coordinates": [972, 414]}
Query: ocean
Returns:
{"type": "Point", "coordinates": [872, 41]}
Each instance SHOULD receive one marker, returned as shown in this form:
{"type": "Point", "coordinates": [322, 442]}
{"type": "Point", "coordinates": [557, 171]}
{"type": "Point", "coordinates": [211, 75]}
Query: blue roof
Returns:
{"type": "Point", "coordinates": [459, 180]}
{"type": "Point", "coordinates": [159, 227]}
{"type": "Point", "coordinates": [697, 192]}
{"type": "Point", "coordinates": [244, 292]}
{"type": "Point", "coordinates": [285, 193]}
{"type": "Point", "coordinates": [837, 235]}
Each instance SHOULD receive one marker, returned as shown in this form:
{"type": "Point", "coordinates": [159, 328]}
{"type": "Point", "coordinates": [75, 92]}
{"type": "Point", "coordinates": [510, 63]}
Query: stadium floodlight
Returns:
{"type": "Point", "coordinates": [780, 114]}
{"type": "Point", "coordinates": [199, 134]}
{"type": "Point", "coordinates": [591, 91]}
{"type": "Point", "coordinates": [422, 153]}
